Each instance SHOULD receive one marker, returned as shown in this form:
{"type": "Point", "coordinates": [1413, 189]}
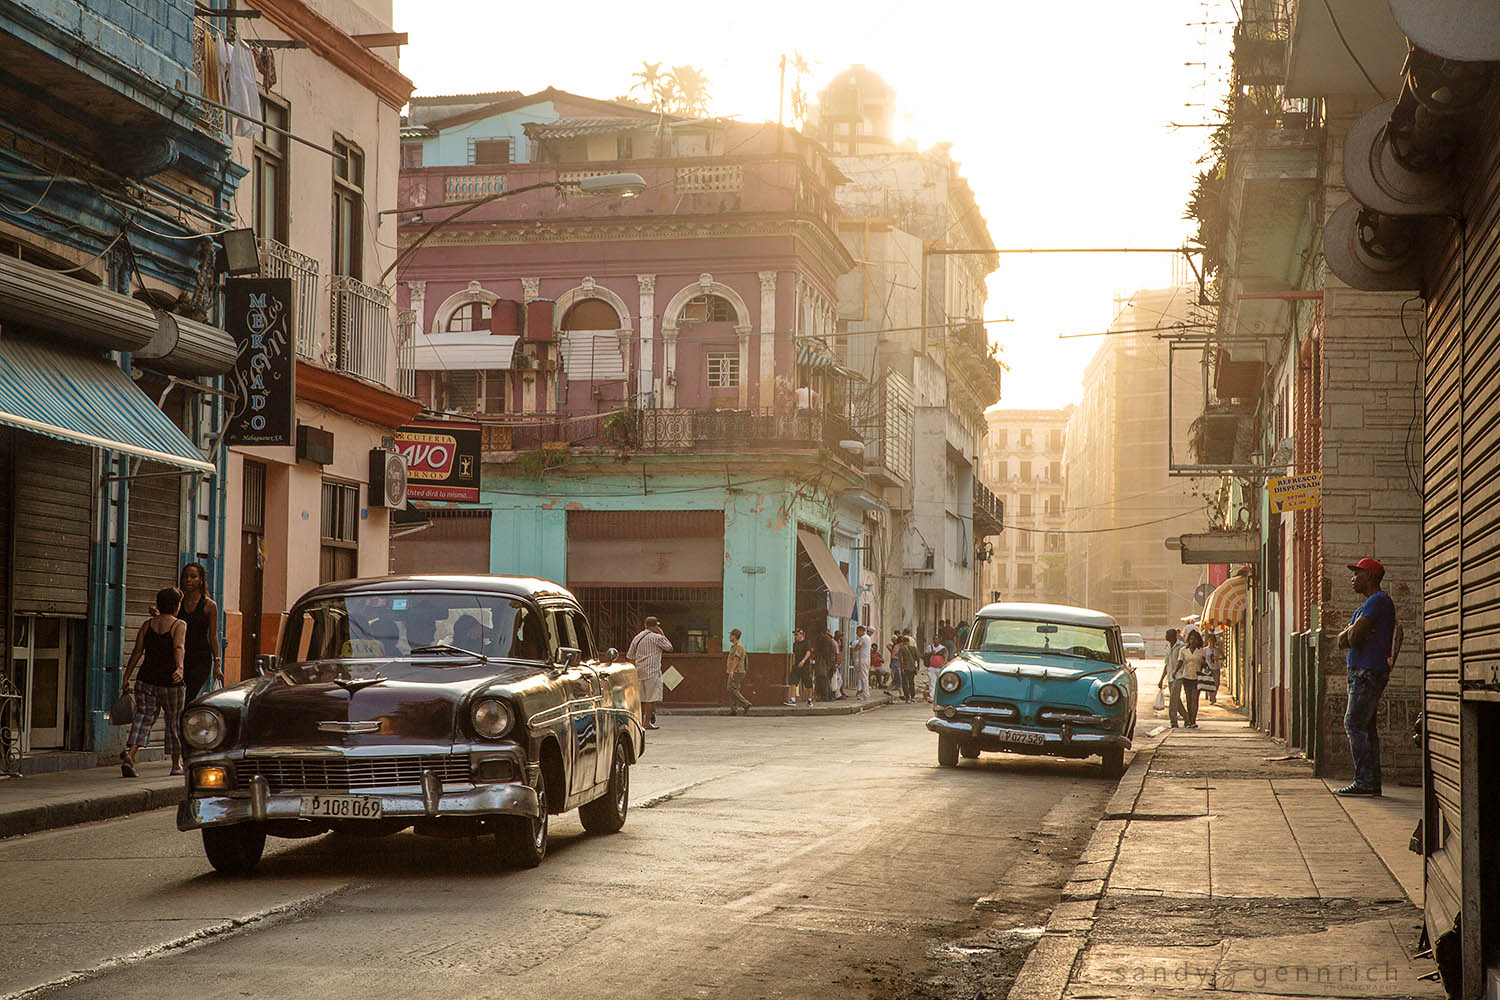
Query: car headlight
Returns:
{"type": "Point", "coordinates": [491, 717]}
{"type": "Point", "coordinates": [203, 728]}
{"type": "Point", "coordinates": [1110, 694]}
{"type": "Point", "coordinates": [949, 681]}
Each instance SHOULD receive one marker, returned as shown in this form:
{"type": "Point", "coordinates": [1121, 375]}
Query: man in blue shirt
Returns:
{"type": "Point", "coordinates": [1368, 639]}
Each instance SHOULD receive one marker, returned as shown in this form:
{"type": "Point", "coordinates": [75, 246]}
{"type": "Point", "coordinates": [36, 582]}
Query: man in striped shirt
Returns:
{"type": "Point", "coordinates": [645, 652]}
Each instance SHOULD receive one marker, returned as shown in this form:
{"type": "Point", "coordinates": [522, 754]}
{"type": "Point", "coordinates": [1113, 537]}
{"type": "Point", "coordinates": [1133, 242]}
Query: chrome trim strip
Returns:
{"type": "Point", "coordinates": [1049, 738]}
{"type": "Point", "coordinates": [349, 727]}
{"type": "Point", "coordinates": [513, 799]}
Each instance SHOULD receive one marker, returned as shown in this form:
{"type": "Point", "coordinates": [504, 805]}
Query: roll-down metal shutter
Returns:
{"type": "Point", "coordinates": [1461, 515]}
{"type": "Point", "coordinates": [54, 509]}
{"type": "Point", "coordinates": [7, 481]}
{"type": "Point", "coordinates": [155, 539]}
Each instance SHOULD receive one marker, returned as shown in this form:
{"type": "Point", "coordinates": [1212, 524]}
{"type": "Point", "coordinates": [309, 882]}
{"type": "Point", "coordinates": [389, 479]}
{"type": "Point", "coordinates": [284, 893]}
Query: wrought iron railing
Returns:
{"type": "Point", "coordinates": [361, 329]}
{"type": "Point", "coordinates": [989, 514]}
{"type": "Point", "coordinates": [277, 260]}
{"type": "Point", "coordinates": [406, 352]}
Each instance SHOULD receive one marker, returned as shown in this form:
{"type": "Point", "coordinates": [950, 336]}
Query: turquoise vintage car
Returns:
{"type": "Point", "coordinates": [1037, 679]}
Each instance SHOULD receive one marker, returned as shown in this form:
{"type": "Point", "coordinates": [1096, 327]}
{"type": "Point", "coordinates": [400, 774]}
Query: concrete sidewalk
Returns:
{"type": "Point", "coordinates": [1224, 868]}
{"type": "Point", "coordinates": [62, 798]}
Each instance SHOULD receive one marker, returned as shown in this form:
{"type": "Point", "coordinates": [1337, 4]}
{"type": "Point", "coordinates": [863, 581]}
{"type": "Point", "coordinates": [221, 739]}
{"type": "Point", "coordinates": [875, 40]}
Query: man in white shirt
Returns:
{"type": "Point", "coordinates": [645, 652]}
{"type": "Point", "coordinates": [861, 659]}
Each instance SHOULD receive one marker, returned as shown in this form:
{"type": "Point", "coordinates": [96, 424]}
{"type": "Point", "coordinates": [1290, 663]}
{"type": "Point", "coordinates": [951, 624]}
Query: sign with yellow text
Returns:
{"type": "Point", "coordinates": [1296, 492]}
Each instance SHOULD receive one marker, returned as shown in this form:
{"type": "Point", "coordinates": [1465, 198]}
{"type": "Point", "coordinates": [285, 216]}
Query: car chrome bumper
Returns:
{"type": "Point", "coordinates": [505, 799]}
{"type": "Point", "coordinates": [1052, 739]}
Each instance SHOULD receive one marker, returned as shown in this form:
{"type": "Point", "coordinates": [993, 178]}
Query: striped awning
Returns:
{"type": "Point", "coordinates": [81, 398]}
{"type": "Point", "coordinates": [1226, 605]}
{"type": "Point", "coordinates": [814, 353]}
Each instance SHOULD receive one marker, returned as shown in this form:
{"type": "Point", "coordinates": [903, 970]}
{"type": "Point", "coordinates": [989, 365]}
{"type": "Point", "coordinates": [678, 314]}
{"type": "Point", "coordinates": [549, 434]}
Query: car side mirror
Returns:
{"type": "Point", "coordinates": [570, 656]}
{"type": "Point", "coordinates": [611, 655]}
{"type": "Point", "coordinates": [266, 664]}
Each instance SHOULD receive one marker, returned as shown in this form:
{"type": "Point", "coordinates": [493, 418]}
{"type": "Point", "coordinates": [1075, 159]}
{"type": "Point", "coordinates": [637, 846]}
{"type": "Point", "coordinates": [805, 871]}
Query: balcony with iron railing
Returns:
{"type": "Point", "coordinates": [676, 431]}
{"type": "Point", "coordinates": [989, 512]}
{"type": "Point", "coordinates": [363, 337]}
{"type": "Point", "coordinates": [278, 260]}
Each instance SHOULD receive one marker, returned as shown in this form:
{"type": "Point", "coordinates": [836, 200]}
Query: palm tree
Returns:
{"type": "Point", "coordinates": [693, 91]}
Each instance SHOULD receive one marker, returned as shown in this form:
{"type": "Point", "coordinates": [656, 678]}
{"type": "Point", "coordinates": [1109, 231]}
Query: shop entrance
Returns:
{"type": "Point", "coordinates": [41, 658]}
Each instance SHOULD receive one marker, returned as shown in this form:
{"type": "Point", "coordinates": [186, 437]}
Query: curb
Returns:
{"type": "Point", "coordinates": [777, 711]}
{"type": "Point", "coordinates": [71, 812]}
{"type": "Point", "coordinates": [1049, 966]}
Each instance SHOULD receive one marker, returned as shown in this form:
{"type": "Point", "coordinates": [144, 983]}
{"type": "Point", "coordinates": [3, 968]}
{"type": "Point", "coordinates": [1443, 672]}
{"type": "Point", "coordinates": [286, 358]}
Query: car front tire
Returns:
{"type": "Point", "coordinates": [234, 850]}
{"type": "Point", "coordinates": [947, 750]}
{"type": "Point", "coordinates": [521, 841]}
{"type": "Point", "coordinates": [606, 814]}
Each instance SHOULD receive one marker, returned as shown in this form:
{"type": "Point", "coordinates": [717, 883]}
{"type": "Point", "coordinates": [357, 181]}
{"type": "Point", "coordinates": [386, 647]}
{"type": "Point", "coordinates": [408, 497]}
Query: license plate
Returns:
{"type": "Point", "coordinates": [340, 807]}
{"type": "Point", "coordinates": [1018, 736]}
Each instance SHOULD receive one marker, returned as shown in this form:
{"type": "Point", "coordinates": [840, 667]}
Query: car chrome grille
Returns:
{"type": "Point", "coordinates": [344, 774]}
{"type": "Point", "coordinates": [992, 707]}
{"type": "Point", "coordinates": [1057, 716]}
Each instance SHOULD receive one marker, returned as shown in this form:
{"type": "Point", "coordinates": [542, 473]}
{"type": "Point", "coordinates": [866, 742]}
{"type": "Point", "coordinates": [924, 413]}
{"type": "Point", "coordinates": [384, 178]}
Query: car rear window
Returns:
{"type": "Point", "coordinates": [386, 625]}
{"type": "Point", "coordinates": [1013, 635]}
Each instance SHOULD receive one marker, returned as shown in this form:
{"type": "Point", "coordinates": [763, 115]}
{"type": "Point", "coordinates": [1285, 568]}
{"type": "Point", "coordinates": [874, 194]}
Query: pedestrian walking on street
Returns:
{"type": "Point", "coordinates": [800, 680]}
{"type": "Point", "coordinates": [840, 666]}
{"type": "Point", "coordinates": [1369, 639]}
{"type": "Point", "coordinates": [159, 689]}
{"type": "Point", "coordinates": [1191, 667]}
{"type": "Point", "coordinates": [645, 652]}
{"type": "Point", "coordinates": [948, 636]}
{"type": "Point", "coordinates": [962, 633]}
{"type": "Point", "coordinates": [907, 651]}
{"type": "Point", "coordinates": [935, 655]}
{"type": "Point", "coordinates": [860, 652]}
{"type": "Point", "coordinates": [1171, 677]}
{"type": "Point", "coordinates": [734, 671]}
{"type": "Point", "coordinates": [202, 617]}
{"type": "Point", "coordinates": [1213, 662]}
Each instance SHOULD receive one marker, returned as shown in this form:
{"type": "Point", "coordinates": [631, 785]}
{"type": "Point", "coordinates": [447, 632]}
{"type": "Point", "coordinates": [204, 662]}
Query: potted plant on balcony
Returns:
{"type": "Point", "coordinates": [622, 430]}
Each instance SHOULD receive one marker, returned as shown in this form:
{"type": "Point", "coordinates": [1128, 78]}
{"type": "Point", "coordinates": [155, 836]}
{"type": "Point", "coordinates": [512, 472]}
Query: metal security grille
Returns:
{"type": "Point", "coordinates": [253, 498]}
{"type": "Point", "coordinates": [343, 774]}
{"type": "Point", "coordinates": [616, 613]}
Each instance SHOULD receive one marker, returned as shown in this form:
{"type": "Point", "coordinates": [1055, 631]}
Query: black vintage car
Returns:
{"type": "Point", "coordinates": [454, 705]}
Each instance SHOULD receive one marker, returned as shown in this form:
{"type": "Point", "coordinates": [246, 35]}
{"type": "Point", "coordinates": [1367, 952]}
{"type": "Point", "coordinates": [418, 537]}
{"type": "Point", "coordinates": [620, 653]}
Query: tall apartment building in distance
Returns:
{"type": "Point", "coordinates": [1024, 465]}
{"type": "Point", "coordinates": [1122, 501]}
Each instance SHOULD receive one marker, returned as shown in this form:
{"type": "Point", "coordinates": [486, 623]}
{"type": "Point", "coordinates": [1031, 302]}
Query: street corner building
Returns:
{"type": "Point", "coordinates": [126, 194]}
{"type": "Point", "coordinates": [719, 420]}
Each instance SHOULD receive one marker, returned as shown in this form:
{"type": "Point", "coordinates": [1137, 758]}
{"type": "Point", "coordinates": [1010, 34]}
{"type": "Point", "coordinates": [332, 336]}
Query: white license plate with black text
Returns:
{"type": "Point", "coordinates": [1018, 736]}
{"type": "Point", "coordinates": [340, 807]}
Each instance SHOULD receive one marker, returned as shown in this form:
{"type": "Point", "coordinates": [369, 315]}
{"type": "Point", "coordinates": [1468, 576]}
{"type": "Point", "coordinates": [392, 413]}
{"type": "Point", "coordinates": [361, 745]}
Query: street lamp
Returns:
{"type": "Point", "coordinates": [600, 186]}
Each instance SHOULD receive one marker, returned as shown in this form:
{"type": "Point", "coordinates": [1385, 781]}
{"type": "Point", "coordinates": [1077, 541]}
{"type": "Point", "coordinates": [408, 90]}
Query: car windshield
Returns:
{"type": "Point", "coordinates": [386, 625]}
{"type": "Point", "coordinates": [1011, 635]}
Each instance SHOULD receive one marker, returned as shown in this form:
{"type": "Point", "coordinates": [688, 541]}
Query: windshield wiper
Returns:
{"type": "Point", "coordinates": [449, 648]}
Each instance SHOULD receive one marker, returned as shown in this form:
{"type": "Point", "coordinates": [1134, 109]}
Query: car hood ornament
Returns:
{"type": "Point", "coordinates": [353, 684]}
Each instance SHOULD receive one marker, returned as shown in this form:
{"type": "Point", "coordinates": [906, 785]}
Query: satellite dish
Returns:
{"type": "Point", "coordinates": [1464, 30]}
{"type": "Point", "coordinates": [1371, 251]}
{"type": "Point", "coordinates": [1379, 181]}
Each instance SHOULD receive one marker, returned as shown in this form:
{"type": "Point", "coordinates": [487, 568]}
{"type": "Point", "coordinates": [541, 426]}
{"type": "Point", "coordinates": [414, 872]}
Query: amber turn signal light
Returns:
{"type": "Point", "coordinates": [210, 777]}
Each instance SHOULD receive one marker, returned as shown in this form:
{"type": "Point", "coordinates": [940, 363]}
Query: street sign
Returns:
{"type": "Point", "coordinates": [1296, 492]}
{"type": "Point", "coordinates": [1201, 594]}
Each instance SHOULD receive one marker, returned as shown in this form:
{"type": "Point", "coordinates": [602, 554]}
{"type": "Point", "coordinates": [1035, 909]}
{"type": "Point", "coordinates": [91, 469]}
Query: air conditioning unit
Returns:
{"type": "Point", "coordinates": [387, 479]}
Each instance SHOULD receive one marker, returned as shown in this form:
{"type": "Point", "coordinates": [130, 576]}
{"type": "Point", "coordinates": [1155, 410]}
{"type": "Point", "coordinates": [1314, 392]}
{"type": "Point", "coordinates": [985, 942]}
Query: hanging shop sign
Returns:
{"type": "Point", "coordinates": [259, 317]}
{"type": "Point", "coordinates": [1296, 492]}
{"type": "Point", "coordinates": [442, 461]}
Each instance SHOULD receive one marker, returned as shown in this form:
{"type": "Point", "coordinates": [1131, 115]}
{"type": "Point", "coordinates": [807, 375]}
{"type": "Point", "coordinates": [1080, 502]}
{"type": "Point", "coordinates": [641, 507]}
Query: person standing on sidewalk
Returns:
{"type": "Point", "coordinates": [860, 657]}
{"type": "Point", "coordinates": [1208, 681]}
{"type": "Point", "coordinates": [1368, 639]}
{"type": "Point", "coordinates": [1191, 666]}
{"type": "Point", "coordinates": [800, 680]}
{"type": "Point", "coordinates": [1171, 677]}
{"type": "Point", "coordinates": [734, 670]}
{"type": "Point", "coordinates": [962, 634]}
{"type": "Point", "coordinates": [645, 652]}
{"type": "Point", "coordinates": [202, 617]}
{"type": "Point", "coordinates": [162, 640]}
{"type": "Point", "coordinates": [825, 653]}
{"type": "Point", "coordinates": [948, 636]}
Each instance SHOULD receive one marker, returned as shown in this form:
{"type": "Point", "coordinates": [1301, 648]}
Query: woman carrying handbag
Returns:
{"type": "Point", "coordinates": [159, 686]}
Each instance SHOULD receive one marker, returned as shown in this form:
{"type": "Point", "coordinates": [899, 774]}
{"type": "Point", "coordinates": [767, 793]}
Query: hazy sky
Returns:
{"type": "Point", "coordinates": [1058, 113]}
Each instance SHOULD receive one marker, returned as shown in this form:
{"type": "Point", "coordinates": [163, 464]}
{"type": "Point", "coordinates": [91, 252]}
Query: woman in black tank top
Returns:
{"type": "Point", "coordinates": [202, 617]}
{"type": "Point", "coordinates": [158, 687]}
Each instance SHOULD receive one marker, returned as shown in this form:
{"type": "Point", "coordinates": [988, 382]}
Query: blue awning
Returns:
{"type": "Point", "coordinates": [76, 397]}
{"type": "Point", "coordinates": [814, 353]}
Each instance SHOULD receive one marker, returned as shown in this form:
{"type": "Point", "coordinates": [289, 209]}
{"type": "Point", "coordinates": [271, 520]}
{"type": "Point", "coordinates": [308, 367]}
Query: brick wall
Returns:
{"type": "Point", "coordinates": [1372, 504]}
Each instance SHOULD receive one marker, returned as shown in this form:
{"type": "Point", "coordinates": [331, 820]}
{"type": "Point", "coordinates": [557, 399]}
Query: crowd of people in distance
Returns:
{"type": "Point", "coordinates": [824, 670]}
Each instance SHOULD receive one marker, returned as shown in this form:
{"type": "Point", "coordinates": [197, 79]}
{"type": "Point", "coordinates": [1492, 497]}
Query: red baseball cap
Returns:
{"type": "Point", "coordinates": [1371, 565]}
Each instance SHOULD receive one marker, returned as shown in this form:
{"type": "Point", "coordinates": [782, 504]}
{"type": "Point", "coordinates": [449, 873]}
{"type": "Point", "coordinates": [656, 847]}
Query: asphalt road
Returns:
{"type": "Point", "coordinates": [762, 857]}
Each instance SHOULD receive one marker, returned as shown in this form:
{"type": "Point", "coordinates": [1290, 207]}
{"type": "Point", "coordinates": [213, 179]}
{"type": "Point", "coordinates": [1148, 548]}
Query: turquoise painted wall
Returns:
{"type": "Point", "coordinates": [528, 536]}
{"type": "Point", "coordinates": [451, 147]}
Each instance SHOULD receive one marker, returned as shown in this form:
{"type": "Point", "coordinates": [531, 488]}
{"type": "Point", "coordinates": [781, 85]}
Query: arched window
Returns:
{"type": "Point", "coordinates": [708, 309]}
{"type": "Point", "coordinates": [591, 314]}
{"type": "Point", "coordinates": [471, 317]}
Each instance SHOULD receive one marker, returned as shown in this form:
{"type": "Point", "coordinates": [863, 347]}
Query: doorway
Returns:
{"type": "Point", "coordinates": [41, 663]}
{"type": "Point", "coordinates": [252, 563]}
